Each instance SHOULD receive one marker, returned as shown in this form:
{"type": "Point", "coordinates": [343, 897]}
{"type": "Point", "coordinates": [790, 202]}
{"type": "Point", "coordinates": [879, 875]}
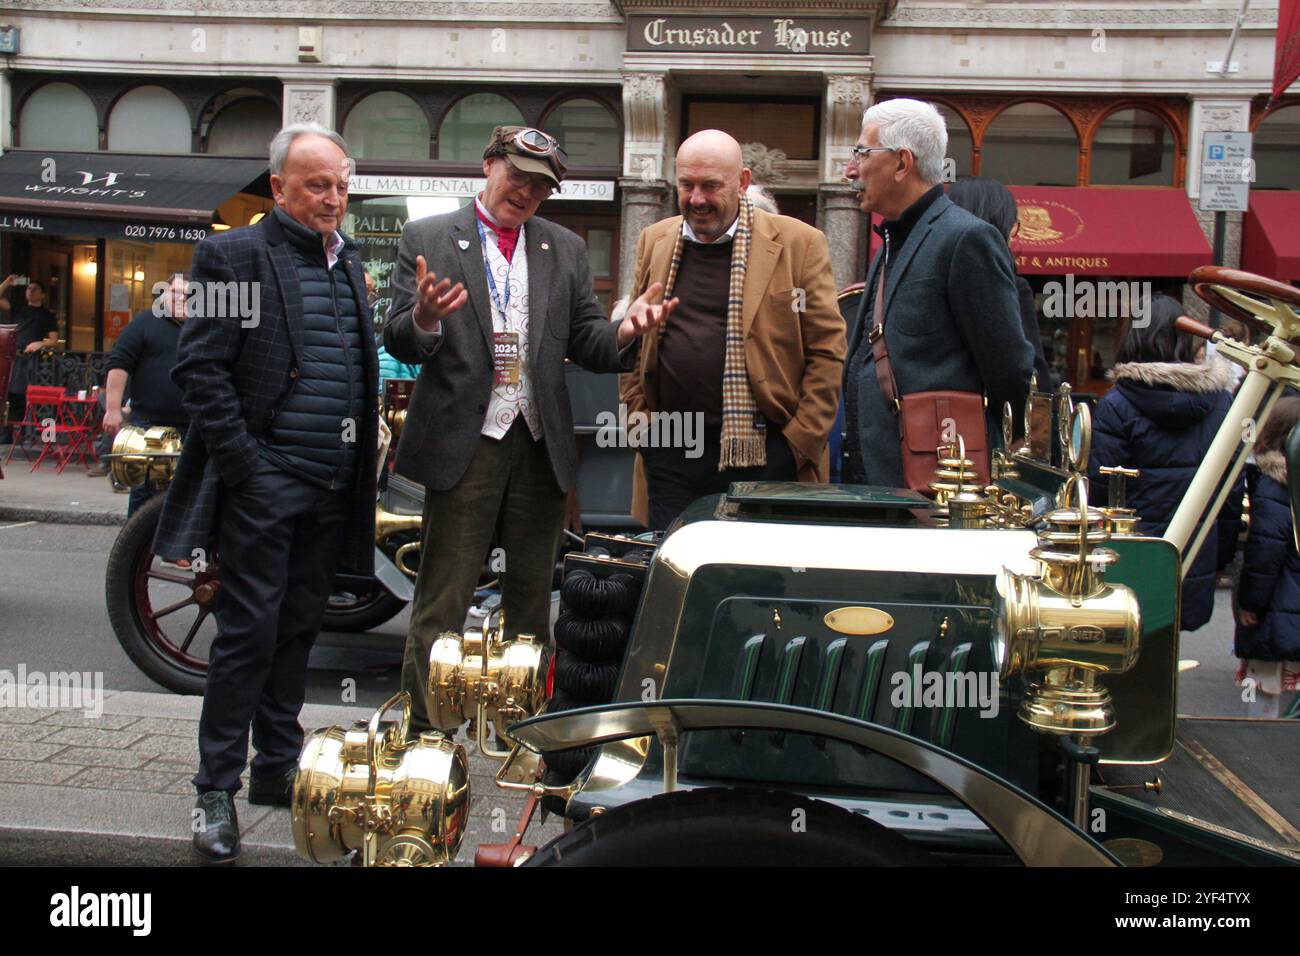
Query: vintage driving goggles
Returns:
{"type": "Point", "coordinates": [540, 144]}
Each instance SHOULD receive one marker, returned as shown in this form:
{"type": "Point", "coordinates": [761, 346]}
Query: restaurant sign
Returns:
{"type": "Point", "coordinates": [816, 35]}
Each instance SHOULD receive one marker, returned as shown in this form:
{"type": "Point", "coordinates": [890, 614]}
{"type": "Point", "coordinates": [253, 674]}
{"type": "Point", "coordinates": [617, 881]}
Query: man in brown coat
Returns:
{"type": "Point", "coordinates": [754, 349]}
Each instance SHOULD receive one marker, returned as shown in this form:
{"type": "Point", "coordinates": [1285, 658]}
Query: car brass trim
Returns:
{"type": "Point", "coordinates": [859, 621]}
{"type": "Point", "coordinates": [1035, 834]}
{"type": "Point", "coordinates": [1242, 791]}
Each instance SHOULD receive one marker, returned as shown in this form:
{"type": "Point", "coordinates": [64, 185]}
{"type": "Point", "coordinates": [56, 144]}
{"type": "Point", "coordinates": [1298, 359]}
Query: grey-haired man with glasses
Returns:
{"type": "Point", "coordinates": [490, 300]}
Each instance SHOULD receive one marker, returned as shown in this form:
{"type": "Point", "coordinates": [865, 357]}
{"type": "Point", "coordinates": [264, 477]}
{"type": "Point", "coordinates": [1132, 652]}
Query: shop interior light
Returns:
{"type": "Point", "coordinates": [138, 276]}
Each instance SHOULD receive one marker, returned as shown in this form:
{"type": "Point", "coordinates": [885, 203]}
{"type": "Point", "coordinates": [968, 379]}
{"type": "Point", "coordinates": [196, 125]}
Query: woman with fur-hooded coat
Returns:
{"type": "Point", "coordinates": [1160, 417]}
{"type": "Point", "coordinates": [1268, 592]}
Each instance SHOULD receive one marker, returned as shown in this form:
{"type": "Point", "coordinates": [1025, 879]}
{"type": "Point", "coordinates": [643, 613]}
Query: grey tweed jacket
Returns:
{"type": "Point", "coordinates": [455, 384]}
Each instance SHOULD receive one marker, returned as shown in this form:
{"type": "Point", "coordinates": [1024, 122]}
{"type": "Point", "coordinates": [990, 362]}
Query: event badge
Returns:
{"type": "Point", "coordinates": [505, 358]}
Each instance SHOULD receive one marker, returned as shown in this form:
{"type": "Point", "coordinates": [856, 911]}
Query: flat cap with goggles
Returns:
{"type": "Point", "coordinates": [530, 151]}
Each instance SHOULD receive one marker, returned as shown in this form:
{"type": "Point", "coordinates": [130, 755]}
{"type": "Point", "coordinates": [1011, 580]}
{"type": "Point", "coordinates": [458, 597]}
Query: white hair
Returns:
{"type": "Point", "coordinates": [283, 140]}
{"type": "Point", "coordinates": [914, 126]}
{"type": "Point", "coordinates": [762, 198]}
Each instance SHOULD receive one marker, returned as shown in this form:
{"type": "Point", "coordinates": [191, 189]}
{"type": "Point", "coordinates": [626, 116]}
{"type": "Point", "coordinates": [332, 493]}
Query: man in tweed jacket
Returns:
{"type": "Point", "coordinates": [277, 476]}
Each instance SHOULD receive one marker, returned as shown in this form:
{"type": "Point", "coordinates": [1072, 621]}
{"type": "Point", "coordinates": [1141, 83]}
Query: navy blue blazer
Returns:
{"type": "Point", "coordinates": [1270, 573]}
{"type": "Point", "coordinates": [235, 379]}
{"type": "Point", "coordinates": [952, 321]}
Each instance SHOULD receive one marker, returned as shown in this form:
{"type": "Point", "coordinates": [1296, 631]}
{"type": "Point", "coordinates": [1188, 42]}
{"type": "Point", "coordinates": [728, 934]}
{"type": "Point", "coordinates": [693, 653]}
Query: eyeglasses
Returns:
{"type": "Point", "coordinates": [539, 187]}
{"type": "Point", "coordinates": [862, 152]}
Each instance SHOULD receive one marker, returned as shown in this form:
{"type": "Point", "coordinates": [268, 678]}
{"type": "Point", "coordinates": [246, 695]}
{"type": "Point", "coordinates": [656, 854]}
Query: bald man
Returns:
{"type": "Point", "coordinates": [739, 388]}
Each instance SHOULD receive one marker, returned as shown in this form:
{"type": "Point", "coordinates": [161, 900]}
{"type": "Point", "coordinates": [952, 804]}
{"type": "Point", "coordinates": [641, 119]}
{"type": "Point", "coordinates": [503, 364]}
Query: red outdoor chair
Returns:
{"type": "Point", "coordinates": [47, 416]}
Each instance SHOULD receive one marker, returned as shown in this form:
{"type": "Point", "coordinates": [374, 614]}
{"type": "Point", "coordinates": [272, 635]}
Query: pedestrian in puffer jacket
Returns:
{"type": "Point", "coordinates": [1167, 404]}
{"type": "Point", "coordinates": [1268, 591]}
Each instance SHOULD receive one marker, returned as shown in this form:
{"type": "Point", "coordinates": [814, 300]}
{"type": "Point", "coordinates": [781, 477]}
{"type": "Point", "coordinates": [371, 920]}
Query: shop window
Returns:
{"type": "Point", "coordinates": [788, 126]}
{"type": "Point", "coordinates": [1132, 148]}
{"type": "Point", "coordinates": [132, 270]}
{"type": "Point", "coordinates": [1276, 150]}
{"type": "Point", "coordinates": [959, 139]}
{"type": "Point", "coordinates": [387, 125]}
{"type": "Point", "coordinates": [1031, 144]}
{"type": "Point", "coordinates": [467, 128]}
{"type": "Point", "coordinates": [587, 131]}
{"type": "Point", "coordinates": [244, 128]}
{"type": "Point", "coordinates": [58, 116]}
{"type": "Point", "coordinates": [149, 119]}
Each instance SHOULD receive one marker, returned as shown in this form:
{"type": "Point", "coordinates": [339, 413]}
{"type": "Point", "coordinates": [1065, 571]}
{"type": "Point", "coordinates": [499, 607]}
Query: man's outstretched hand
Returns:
{"type": "Point", "coordinates": [641, 316]}
{"type": "Point", "coordinates": [434, 299]}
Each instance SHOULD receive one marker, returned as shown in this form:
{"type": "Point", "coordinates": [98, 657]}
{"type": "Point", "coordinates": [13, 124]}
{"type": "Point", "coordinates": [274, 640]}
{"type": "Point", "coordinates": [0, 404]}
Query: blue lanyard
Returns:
{"type": "Point", "coordinates": [503, 305]}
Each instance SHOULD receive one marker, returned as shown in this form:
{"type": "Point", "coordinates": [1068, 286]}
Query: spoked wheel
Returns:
{"type": "Point", "coordinates": [724, 827]}
{"type": "Point", "coordinates": [161, 614]}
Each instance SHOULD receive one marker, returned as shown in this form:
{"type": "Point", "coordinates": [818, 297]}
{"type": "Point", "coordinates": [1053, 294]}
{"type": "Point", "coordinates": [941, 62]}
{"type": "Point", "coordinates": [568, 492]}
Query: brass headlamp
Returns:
{"type": "Point", "coordinates": [142, 455]}
{"type": "Point", "coordinates": [398, 802]}
{"type": "Point", "coordinates": [482, 677]}
{"type": "Point", "coordinates": [1065, 621]}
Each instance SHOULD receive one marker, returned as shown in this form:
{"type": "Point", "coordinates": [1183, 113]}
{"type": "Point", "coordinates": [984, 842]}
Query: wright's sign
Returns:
{"type": "Point", "coordinates": [815, 35]}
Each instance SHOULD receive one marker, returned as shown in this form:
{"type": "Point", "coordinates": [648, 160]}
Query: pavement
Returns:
{"type": "Point", "coordinates": [69, 498]}
{"type": "Point", "coordinates": [114, 788]}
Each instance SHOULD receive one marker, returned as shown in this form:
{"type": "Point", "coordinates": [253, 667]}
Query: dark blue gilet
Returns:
{"type": "Point", "coordinates": [315, 433]}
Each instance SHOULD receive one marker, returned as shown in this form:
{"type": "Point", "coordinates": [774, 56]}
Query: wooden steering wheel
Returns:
{"type": "Point", "coordinates": [1265, 305]}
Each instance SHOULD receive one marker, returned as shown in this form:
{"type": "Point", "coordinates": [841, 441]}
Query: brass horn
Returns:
{"type": "Point", "coordinates": [387, 524]}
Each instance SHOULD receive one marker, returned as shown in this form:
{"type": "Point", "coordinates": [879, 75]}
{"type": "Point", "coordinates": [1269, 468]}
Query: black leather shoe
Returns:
{"type": "Point", "coordinates": [216, 835]}
{"type": "Point", "coordinates": [273, 791]}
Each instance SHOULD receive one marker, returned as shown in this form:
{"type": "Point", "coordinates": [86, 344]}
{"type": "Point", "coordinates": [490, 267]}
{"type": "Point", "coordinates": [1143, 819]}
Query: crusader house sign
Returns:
{"type": "Point", "coordinates": [713, 34]}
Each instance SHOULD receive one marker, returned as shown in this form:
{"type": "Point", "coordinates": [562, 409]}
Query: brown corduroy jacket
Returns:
{"type": "Point", "coordinates": [794, 336]}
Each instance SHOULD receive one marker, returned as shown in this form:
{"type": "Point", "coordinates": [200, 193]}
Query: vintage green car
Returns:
{"type": "Point", "coordinates": [842, 674]}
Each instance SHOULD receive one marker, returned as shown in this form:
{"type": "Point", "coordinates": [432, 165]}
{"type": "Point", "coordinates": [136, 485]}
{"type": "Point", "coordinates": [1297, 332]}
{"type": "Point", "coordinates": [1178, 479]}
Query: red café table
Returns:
{"type": "Point", "coordinates": [84, 416]}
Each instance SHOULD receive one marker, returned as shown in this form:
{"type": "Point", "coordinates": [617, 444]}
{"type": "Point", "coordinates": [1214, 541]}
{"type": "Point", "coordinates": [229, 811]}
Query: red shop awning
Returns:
{"type": "Point", "coordinates": [1094, 230]}
{"type": "Point", "coordinates": [1270, 239]}
{"type": "Point", "coordinates": [1099, 231]}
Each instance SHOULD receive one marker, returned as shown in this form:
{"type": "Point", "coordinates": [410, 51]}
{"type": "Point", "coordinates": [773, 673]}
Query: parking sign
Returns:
{"type": "Point", "coordinates": [1227, 171]}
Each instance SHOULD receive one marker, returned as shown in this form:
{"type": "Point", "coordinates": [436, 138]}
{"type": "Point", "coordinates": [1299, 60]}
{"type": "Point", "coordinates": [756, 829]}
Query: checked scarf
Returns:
{"type": "Point", "coordinates": [743, 436]}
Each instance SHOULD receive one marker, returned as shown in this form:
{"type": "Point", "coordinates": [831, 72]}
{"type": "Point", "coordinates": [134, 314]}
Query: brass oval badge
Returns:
{"type": "Point", "coordinates": [859, 620]}
{"type": "Point", "coordinates": [1086, 634]}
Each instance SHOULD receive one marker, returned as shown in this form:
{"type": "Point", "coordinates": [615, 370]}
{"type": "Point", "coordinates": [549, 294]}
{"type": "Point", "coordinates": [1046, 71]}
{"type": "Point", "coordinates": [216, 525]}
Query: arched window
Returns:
{"type": "Point", "coordinates": [959, 139]}
{"type": "Point", "coordinates": [58, 116]}
{"type": "Point", "coordinates": [468, 126]}
{"type": "Point", "coordinates": [387, 125]}
{"type": "Point", "coordinates": [587, 131]}
{"type": "Point", "coordinates": [244, 128]}
{"type": "Point", "coordinates": [1132, 148]}
{"type": "Point", "coordinates": [149, 119]}
{"type": "Point", "coordinates": [1031, 144]}
{"type": "Point", "coordinates": [1277, 150]}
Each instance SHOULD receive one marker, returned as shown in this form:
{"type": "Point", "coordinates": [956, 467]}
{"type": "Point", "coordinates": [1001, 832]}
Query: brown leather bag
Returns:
{"type": "Point", "coordinates": [514, 852]}
{"type": "Point", "coordinates": [928, 421]}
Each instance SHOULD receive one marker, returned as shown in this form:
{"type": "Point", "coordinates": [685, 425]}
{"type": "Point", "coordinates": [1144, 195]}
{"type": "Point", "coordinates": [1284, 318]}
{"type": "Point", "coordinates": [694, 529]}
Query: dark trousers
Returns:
{"type": "Point", "coordinates": [508, 490]}
{"type": "Point", "coordinates": [279, 541]}
{"type": "Point", "coordinates": [673, 481]}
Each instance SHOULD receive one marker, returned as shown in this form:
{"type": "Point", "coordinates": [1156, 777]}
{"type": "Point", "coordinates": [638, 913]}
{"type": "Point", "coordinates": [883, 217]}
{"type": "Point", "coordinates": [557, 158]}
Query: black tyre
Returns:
{"type": "Point", "coordinates": [599, 597]}
{"type": "Point", "coordinates": [584, 681]}
{"type": "Point", "coordinates": [361, 609]}
{"type": "Point", "coordinates": [592, 639]}
{"type": "Point", "coordinates": [723, 827]}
